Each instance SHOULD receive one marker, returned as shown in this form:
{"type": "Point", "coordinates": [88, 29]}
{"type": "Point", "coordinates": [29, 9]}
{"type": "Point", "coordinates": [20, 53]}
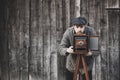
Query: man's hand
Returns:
{"type": "Point", "coordinates": [70, 50]}
{"type": "Point", "coordinates": [89, 53]}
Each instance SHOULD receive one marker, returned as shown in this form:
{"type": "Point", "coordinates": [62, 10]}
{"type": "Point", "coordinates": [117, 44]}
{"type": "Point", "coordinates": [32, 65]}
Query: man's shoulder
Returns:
{"type": "Point", "coordinates": [70, 29]}
{"type": "Point", "coordinates": [89, 28]}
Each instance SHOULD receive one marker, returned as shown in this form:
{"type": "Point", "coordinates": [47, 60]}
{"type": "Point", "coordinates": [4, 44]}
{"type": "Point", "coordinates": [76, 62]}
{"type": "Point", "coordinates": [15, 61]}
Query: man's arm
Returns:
{"type": "Point", "coordinates": [65, 43]}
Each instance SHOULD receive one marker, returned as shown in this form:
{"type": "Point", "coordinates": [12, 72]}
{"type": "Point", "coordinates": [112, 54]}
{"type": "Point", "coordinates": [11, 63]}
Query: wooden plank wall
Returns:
{"type": "Point", "coordinates": [113, 45]}
{"type": "Point", "coordinates": [30, 31]}
{"type": "Point", "coordinates": [3, 42]}
{"type": "Point", "coordinates": [113, 11]}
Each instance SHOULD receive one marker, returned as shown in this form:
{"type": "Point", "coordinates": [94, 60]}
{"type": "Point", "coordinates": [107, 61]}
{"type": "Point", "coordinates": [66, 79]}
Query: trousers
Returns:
{"type": "Point", "coordinates": [69, 75]}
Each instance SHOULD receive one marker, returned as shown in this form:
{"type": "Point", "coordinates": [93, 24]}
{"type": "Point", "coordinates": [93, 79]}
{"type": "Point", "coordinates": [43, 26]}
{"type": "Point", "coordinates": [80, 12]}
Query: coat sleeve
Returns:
{"type": "Point", "coordinates": [65, 43]}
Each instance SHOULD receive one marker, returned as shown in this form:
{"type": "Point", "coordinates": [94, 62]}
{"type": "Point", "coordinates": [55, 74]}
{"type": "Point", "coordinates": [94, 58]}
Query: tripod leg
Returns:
{"type": "Point", "coordinates": [80, 77]}
{"type": "Point", "coordinates": [76, 72]}
{"type": "Point", "coordinates": [85, 67]}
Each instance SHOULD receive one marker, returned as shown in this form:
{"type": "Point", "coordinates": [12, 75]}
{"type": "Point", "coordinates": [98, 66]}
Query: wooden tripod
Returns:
{"type": "Point", "coordinates": [80, 59]}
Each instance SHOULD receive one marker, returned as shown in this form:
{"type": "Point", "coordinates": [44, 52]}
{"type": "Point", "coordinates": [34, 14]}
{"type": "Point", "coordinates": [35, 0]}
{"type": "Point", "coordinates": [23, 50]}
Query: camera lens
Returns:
{"type": "Point", "coordinates": [81, 43]}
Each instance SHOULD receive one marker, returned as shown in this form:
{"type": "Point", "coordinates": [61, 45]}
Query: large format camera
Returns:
{"type": "Point", "coordinates": [85, 43]}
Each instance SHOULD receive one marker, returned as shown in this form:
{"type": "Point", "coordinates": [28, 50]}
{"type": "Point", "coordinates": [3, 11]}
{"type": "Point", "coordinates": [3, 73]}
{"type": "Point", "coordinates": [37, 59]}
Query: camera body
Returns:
{"type": "Point", "coordinates": [80, 42]}
{"type": "Point", "coordinates": [85, 43]}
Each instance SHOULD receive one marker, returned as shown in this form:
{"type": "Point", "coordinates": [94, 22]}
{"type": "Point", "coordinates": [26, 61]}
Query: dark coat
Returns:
{"type": "Point", "coordinates": [66, 42]}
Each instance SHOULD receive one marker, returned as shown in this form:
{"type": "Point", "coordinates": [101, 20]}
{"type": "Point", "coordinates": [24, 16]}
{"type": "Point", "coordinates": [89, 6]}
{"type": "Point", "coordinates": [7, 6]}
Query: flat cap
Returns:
{"type": "Point", "coordinates": [78, 21]}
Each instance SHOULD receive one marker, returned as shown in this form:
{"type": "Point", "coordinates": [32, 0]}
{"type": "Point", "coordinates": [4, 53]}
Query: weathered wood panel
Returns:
{"type": "Point", "coordinates": [24, 38]}
{"type": "Point", "coordinates": [113, 39]}
{"type": "Point", "coordinates": [60, 31]}
{"type": "Point", "coordinates": [77, 8]}
{"type": "Point", "coordinates": [84, 8]}
{"type": "Point", "coordinates": [113, 3]}
{"type": "Point", "coordinates": [113, 44]}
{"type": "Point", "coordinates": [36, 29]}
{"type": "Point", "coordinates": [38, 73]}
{"type": "Point", "coordinates": [32, 29]}
{"type": "Point", "coordinates": [46, 38]}
{"type": "Point", "coordinates": [4, 67]}
{"type": "Point", "coordinates": [18, 41]}
{"type": "Point", "coordinates": [13, 41]}
{"type": "Point", "coordinates": [67, 13]}
{"type": "Point", "coordinates": [53, 42]}
{"type": "Point", "coordinates": [94, 10]}
{"type": "Point", "coordinates": [72, 9]}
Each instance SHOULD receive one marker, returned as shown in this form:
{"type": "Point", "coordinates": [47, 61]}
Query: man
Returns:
{"type": "Point", "coordinates": [78, 24]}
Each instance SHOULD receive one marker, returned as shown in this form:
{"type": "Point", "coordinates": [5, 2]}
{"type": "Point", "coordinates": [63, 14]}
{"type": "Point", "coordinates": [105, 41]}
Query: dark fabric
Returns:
{"type": "Point", "coordinates": [78, 21]}
{"type": "Point", "coordinates": [66, 42]}
{"type": "Point", "coordinates": [90, 76]}
{"type": "Point", "coordinates": [69, 75]}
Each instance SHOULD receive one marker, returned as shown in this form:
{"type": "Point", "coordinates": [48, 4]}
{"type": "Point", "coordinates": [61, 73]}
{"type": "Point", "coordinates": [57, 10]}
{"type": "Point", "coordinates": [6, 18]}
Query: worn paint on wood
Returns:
{"type": "Point", "coordinates": [30, 31]}
{"type": "Point", "coordinates": [113, 44]}
{"type": "Point", "coordinates": [53, 42]}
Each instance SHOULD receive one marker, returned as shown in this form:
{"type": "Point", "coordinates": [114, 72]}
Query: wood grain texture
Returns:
{"type": "Point", "coordinates": [113, 3]}
{"type": "Point", "coordinates": [24, 39]}
{"type": "Point", "coordinates": [14, 39]}
{"type": "Point", "coordinates": [36, 41]}
{"type": "Point", "coordinates": [67, 13]}
{"type": "Point", "coordinates": [60, 31]}
{"type": "Point", "coordinates": [46, 38]}
{"type": "Point", "coordinates": [53, 42]}
{"type": "Point", "coordinates": [4, 67]}
{"type": "Point", "coordinates": [113, 44]}
{"type": "Point", "coordinates": [77, 8]}
{"type": "Point", "coordinates": [30, 31]}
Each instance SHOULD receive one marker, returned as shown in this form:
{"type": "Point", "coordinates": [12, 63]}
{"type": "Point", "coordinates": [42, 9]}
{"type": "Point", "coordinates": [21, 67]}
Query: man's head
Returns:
{"type": "Point", "coordinates": [79, 24]}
